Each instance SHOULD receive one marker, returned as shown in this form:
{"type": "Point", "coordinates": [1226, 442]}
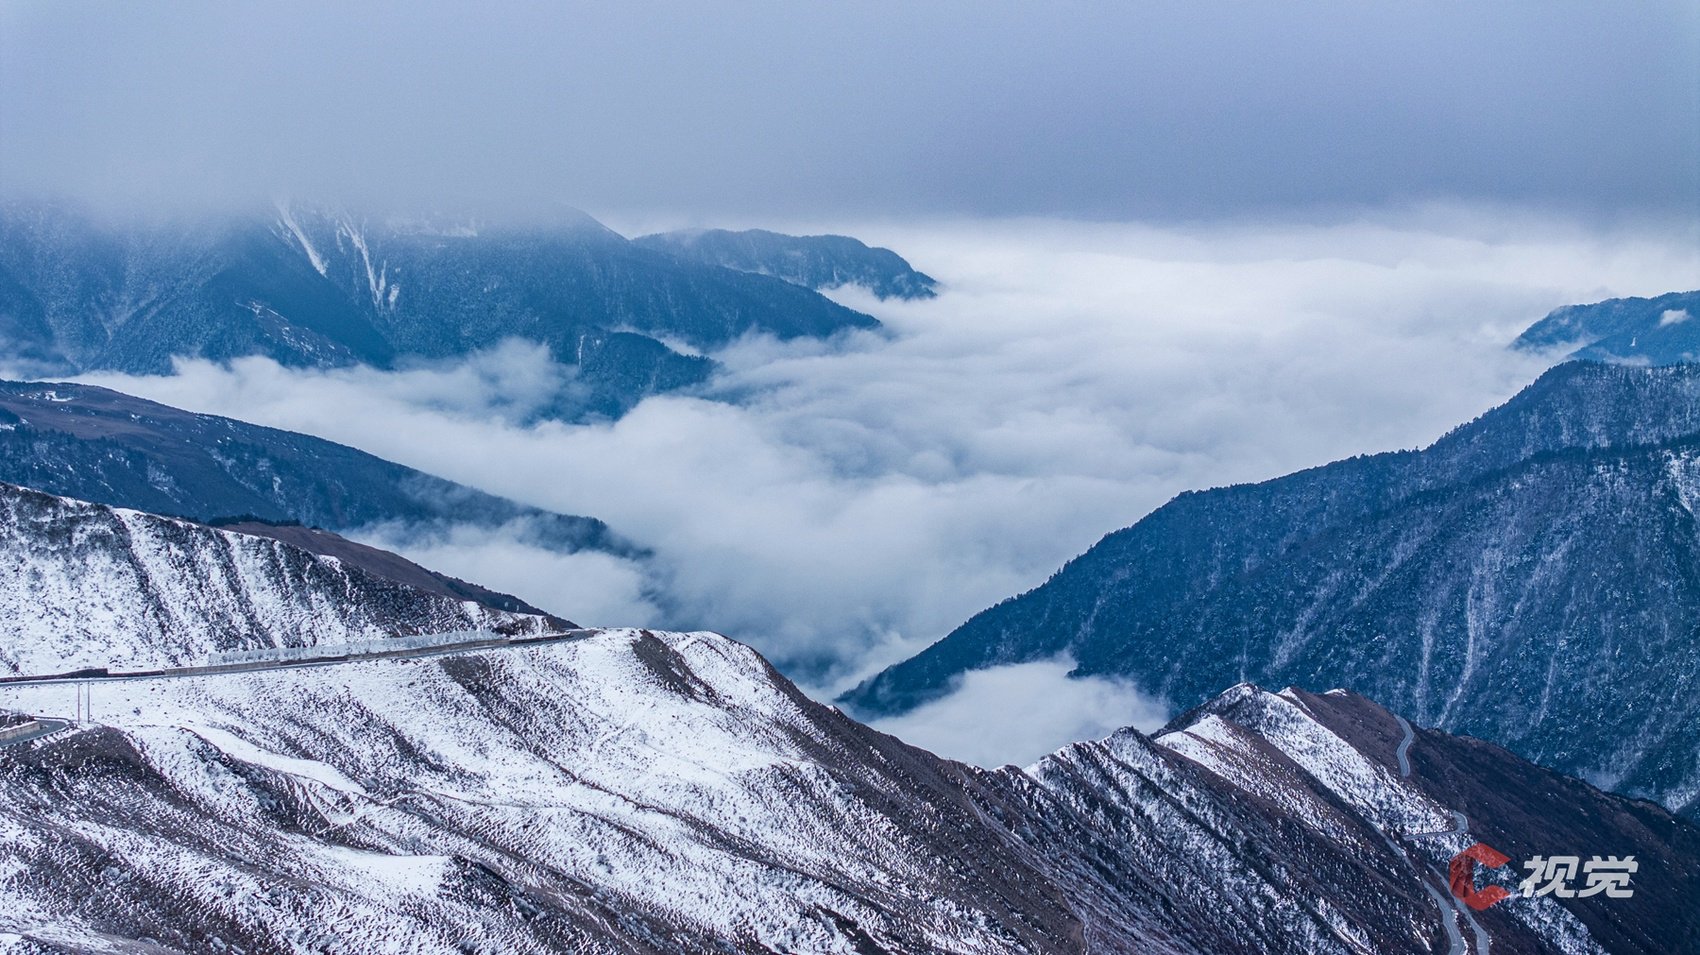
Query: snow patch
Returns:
{"type": "Point", "coordinates": [308, 769]}
{"type": "Point", "coordinates": [294, 228]}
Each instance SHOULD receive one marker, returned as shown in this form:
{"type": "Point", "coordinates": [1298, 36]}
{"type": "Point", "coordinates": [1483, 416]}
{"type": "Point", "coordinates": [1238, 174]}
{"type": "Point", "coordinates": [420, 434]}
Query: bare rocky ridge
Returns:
{"type": "Point", "coordinates": [383, 563]}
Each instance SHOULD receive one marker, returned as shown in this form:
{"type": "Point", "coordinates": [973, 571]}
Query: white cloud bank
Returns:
{"type": "Point", "coordinates": [595, 589]}
{"type": "Point", "coordinates": [867, 496]}
{"type": "Point", "coordinates": [1016, 714]}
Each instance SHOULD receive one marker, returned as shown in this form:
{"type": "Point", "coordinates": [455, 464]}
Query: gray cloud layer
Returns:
{"type": "Point", "coordinates": [1168, 107]}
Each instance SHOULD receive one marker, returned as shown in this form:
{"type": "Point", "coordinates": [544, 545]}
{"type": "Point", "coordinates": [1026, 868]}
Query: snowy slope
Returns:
{"type": "Point", "coordinates": [84, 585]}
{"type": "Point", "coordinates": [647, 792]}
{"type": "Point", "coordinates": [631, 792]}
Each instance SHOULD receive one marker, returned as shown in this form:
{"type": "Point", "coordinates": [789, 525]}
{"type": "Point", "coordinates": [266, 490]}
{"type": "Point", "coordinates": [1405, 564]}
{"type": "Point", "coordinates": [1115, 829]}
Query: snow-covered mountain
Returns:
{"type": "Point", "coordinates": [85, 585]}
{"type": "Point", "coordinates": [1532, 578]}
{"type": "Point", "coordinates": [654, 792]}
{"type": "Point", "coordinates": [318, 287]}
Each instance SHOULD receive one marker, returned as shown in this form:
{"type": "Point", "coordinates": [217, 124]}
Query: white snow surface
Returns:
{"type": "Point", "coordinates": [85, 585]}
{"type": "Point", "coordinates": [288, 219]}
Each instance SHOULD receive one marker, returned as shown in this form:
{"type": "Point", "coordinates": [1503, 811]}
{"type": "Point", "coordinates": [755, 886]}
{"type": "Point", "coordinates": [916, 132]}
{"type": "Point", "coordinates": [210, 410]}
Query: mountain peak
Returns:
{"type": "Point", "coordinates": [324, 286]}
{"type": "Point", "coordinates": [446, 220]}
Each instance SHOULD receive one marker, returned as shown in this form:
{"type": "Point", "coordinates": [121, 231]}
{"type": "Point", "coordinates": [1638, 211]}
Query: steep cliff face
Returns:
{"type": "Point", "coordinates": [1533, 578]}
{"type": "Point", "coordinates": [84, 585]}
{"type": "Point", "coordinates": [653, 792]}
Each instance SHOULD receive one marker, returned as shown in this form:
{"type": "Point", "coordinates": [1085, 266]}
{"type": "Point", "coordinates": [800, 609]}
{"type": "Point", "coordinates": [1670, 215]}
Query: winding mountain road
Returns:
{"type": "Point", "coordinates": [1445, 901]}
{"type": "Point", "coordinates": [47, 726]}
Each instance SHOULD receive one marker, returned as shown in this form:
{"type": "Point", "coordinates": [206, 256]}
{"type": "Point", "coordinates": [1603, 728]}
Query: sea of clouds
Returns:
{"type": "Point", "coordinates": [840, 505]}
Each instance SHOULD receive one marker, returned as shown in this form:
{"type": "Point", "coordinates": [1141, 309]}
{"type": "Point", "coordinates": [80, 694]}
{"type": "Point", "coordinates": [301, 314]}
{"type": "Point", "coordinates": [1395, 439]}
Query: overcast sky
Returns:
{"type": "Point", "coordinates": [867, 109]}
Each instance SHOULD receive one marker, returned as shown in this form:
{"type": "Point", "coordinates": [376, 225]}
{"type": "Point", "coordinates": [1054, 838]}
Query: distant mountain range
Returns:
{"type": "Point", "coordinates": [1660, 331]}
{"type": "Point", "coordinates": [813, 261]}
{"type": "Point", "coordinates": [314, 288]}
{"type": "Point", "coordinates": [1532, 578]}
{"type": "Point", "coordinates": [100, 445]}
{"type": "Point", "coordinates": [639, 792]}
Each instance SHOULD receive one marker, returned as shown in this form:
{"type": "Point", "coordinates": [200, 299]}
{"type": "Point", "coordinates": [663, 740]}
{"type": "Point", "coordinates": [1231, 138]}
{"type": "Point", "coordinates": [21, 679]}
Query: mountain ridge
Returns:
{"type": "Point", "coordinates": [99, 445]}
{"type": "Point", "coordinates": [86, 585]}
{"type": "Point", "coordinates": [1659, 330]}
{"type": "Point", "coordinates": [635, 791]}
{"type": "Point", "coordinates": [640, 791]}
